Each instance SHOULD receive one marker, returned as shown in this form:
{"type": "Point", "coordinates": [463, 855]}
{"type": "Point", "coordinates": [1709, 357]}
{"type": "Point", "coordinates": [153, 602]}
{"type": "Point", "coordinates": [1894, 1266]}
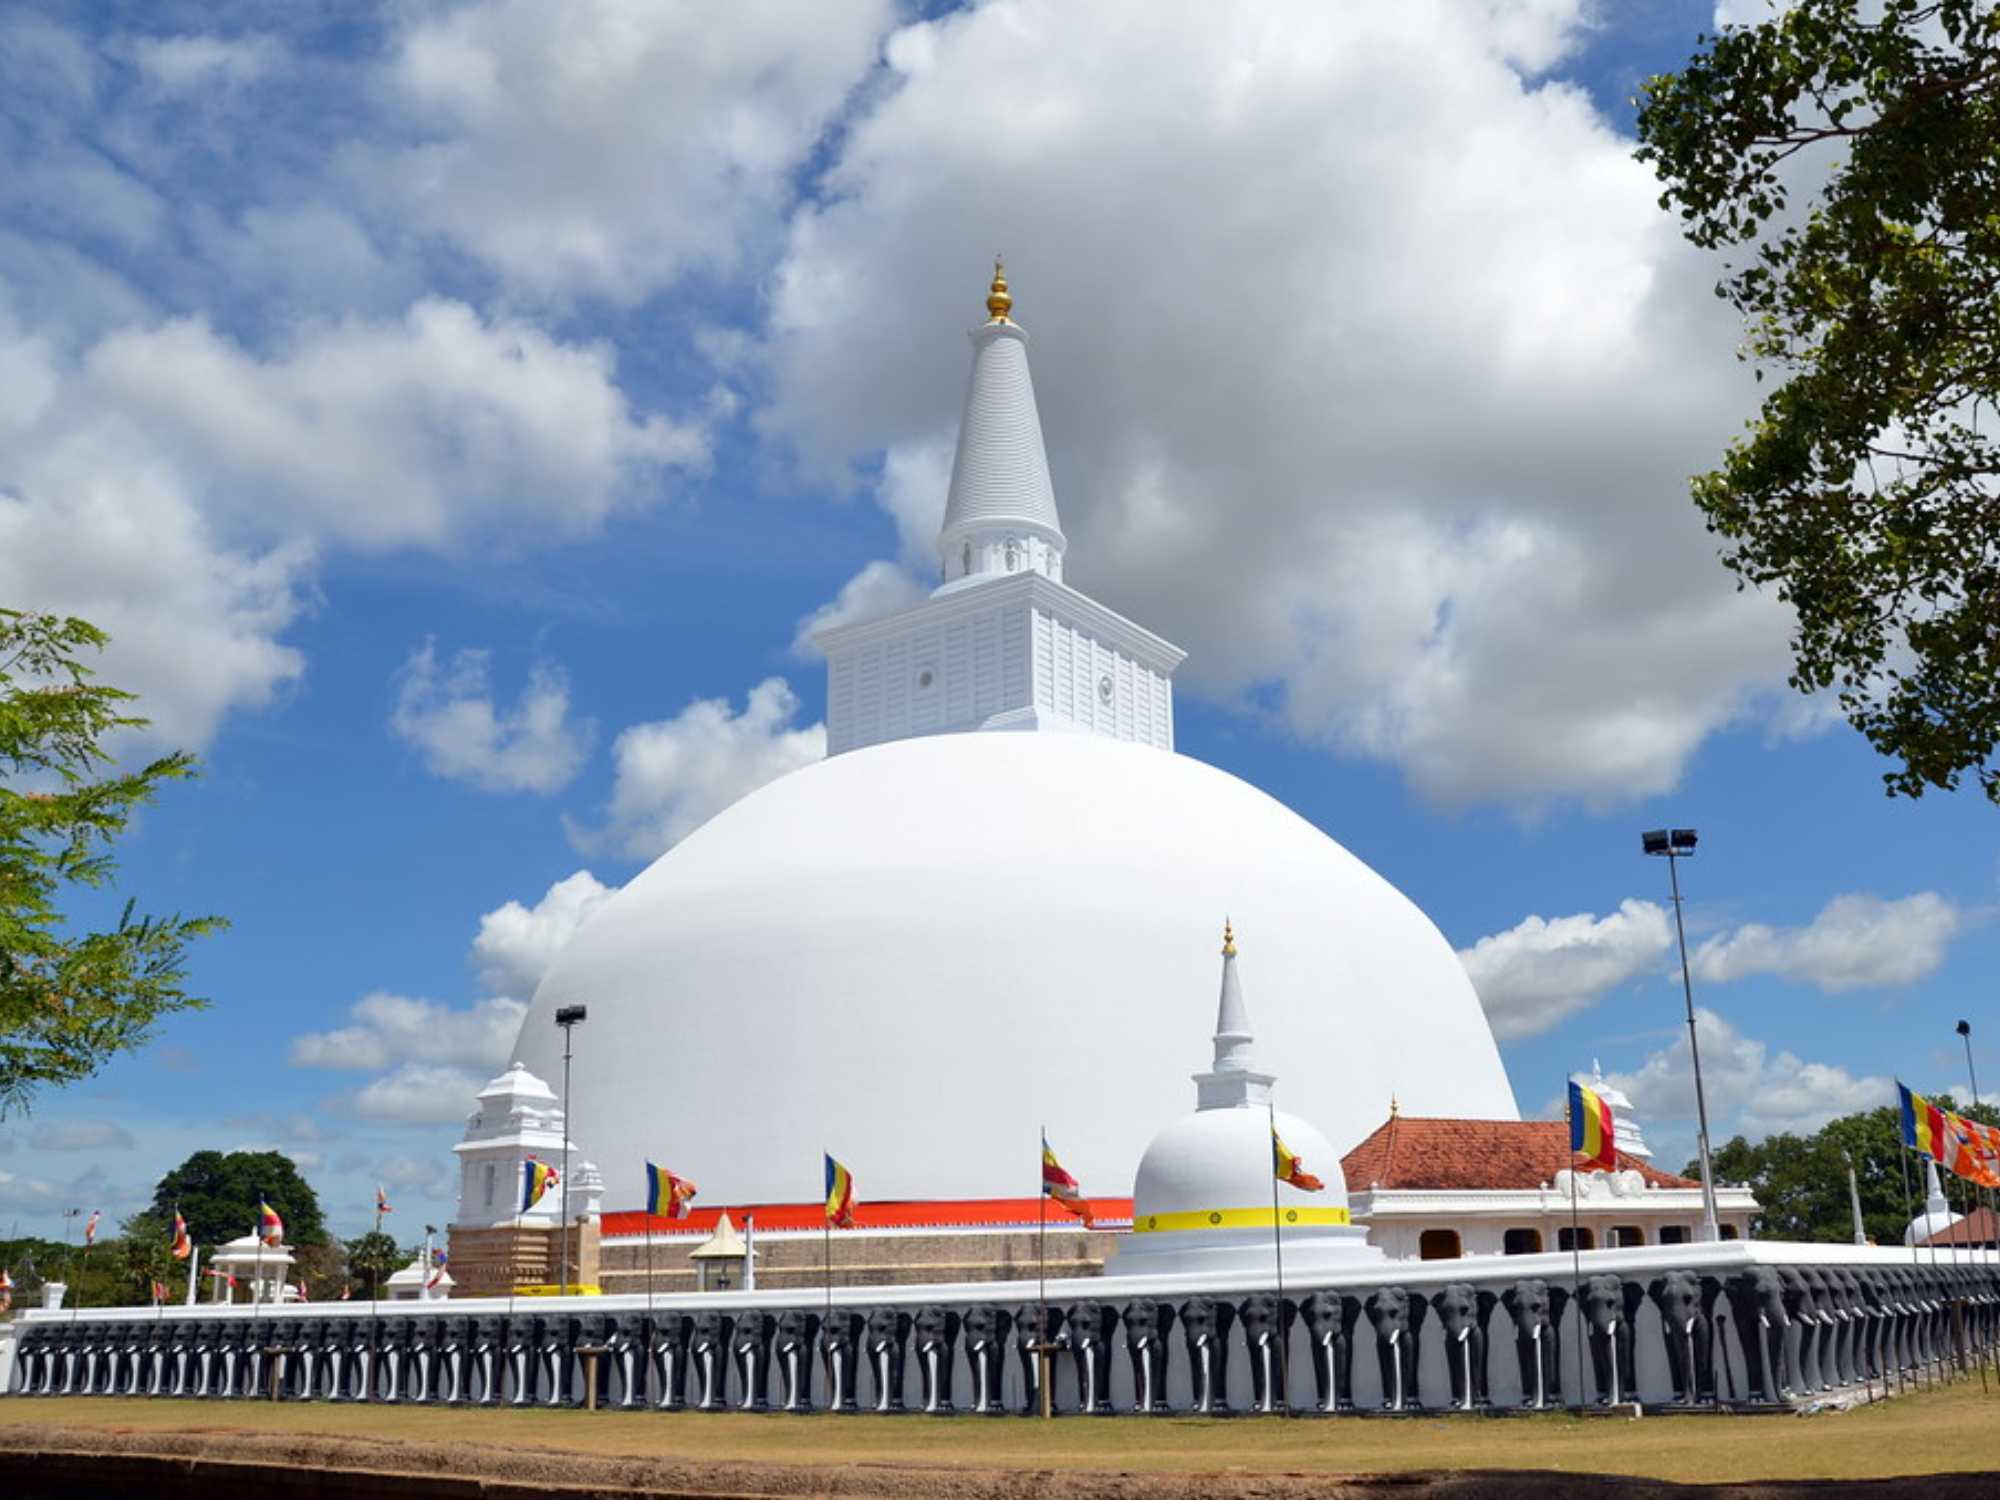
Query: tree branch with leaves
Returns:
{"type": "Point", "coordinates": [69, 1000]}
{"type": "Point", "coordinates": [1867, 490]}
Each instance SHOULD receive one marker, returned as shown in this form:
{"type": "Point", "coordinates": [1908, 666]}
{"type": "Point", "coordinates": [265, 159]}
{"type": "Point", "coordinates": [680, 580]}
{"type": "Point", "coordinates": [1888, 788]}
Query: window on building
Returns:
{"type": "Point", "coordinates": [1729, 1232]}
{"type": "Point", "coordinates": [1628, 1234]}
{"type": "Point", "coordinates": [489, 1184]}
{"type": "Point", "coordinates": [1522, 1242]}
{"type": "Point", "coordinates": [1013, 555]}
{"type": "Point", "coordinates": [965, 560]}
{"type": "Point", "coordinates": [1581, 1239]}
{"type": "Point", "coordinates": [1438, 1244]}
{"type": "Point", "coordinates": [1674, 1234]}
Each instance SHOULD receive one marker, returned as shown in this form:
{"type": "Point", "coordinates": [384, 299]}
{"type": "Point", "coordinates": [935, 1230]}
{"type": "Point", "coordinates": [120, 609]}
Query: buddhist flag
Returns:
{"type": "Point", "coordinates": [1059, 1185]}
{"type": "Point", "coordinates": [182, 1246]}
{"type": "Point", "coordinates": [667, 1195]}
{"type": "Point", "coordinates": [1923, 1124]}
{"type": "Point", "coordinates": [381, 1202]}
{"type": "Point", "coordinates": [90, 1227]}
{"type": "Point", "coordinates": [439, 1260]}
{"type": "Point", "coordinates": [1286, 1164]}
{"type": "Point", "coordinates": [1590, 1134]}
{"type": "Point", "coordinates": [270, 1228]}
{"type": "Point", "coordinates": [304, 1295]}
{"type": "Point", "coordinates": [537, 1177]}
{"type": "Point", "coordinates": [839, 1195]}
{"type": "Point", "coordinates": [6, 1291]}
{"type": "Point", "coordinates": [345, 1293]}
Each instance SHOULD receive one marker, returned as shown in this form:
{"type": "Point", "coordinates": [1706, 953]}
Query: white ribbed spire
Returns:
{"type": "Point", "coordinates": [1232, 1081]}
{"type": "Point", "coordinates": [1000, 515]}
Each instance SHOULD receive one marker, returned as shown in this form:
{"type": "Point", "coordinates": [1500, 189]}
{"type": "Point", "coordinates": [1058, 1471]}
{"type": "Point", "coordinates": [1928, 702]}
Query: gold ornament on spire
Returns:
{"type": "Point", "coordinates": [998, 302]}
{"type": "Point", "coordinates": [1228, 939]}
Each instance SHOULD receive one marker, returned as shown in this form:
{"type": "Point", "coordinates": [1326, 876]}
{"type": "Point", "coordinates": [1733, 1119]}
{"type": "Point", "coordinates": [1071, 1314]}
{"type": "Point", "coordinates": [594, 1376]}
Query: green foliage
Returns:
{"type": "Point", "coordinates": [1865, 490]}
{"type": "Point", "coordinates": [1801, 1181]}
{"type": "Point", "coordinates": [145, 1256]}
{"type": "Point", "coordinates": [372, 1259]}
{"type": "Point", "coordinates": [218, 1194]}
{"type": "Point", "coordinates": [69, 1002]}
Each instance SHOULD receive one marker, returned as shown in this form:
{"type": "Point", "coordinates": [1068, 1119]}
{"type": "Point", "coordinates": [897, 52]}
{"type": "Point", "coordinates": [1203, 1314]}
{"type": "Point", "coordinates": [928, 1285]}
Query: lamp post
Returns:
{"type": "Point", "coordinates": [569, 1017]}
{"type": "Point", "coordinates": [1676, 844]}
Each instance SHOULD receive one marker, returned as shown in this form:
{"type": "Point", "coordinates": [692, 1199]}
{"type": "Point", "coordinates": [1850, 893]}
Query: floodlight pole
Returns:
{"type": "Point", "coordinates": [1677, 842]}
{"type": "Point", "coordinates": [567, 1017]}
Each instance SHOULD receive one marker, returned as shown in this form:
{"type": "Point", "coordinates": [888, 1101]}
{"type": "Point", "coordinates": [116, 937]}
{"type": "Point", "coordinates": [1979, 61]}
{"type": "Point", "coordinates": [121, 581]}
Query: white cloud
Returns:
{"type": "Point", "coordinates": [1543, 970]}
{"type": "Point", "coordinates": [611, 146]}
{"type": "Point", "coordinates": [676, 774]}
{"type": "Point", "coordinates": [390, 1029]}
{"type": "Point", "coordinates": [1750, 1088]}
{"type": "Point", "coordinates": [1391, 427]}
{"type": "Point", "coordinates": [418, 1094]}
{"type": "Point", "coordinates": [1857, 941]}
{"type": "Point", "coordinates": [393, 432]}
{"type": "Point", "coordinates": [185, 65]}
{"type": "Point", "coordinates": [448, 713]}
{"type": "Point", "coordinates": [426, 1176]}
{"type": "Point", "coordinates": [31, 1195]}
{"type": "Point", "coordinates": [82, 1135]}
{"type": "Point", "coordinates": [516, 943]}
{"type": "Point", "coordinates": [881, 588]}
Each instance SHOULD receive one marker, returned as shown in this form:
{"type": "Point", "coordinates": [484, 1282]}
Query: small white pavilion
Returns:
{"type": "Point", "coordinates": [263, 1271]}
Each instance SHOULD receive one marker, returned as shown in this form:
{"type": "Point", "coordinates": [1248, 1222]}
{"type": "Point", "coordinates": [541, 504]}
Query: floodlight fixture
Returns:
{"type": "Point", "coordinates": [569, 1017]}
{"type": "Point", "coordinates": [1677, 844]}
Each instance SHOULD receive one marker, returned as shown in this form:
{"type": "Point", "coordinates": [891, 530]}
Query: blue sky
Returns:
{"type": "Point", "coordinates": [341, 343]}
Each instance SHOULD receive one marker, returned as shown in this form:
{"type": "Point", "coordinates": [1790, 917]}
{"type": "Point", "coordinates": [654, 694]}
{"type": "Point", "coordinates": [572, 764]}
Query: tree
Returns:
{"type": "Point", "coordinates": [1867, 490]}
{"type": "Point", "coordinates": [70, 1001]}
{"type": "Point", "coordinates": [218, 1195]}
{"type": "Point", "coordinates": [373, 1259]}
{"type": "Point", "coordinates": [145, 1249]}
{"type": "Point", "coordinates": [1801, 1180]}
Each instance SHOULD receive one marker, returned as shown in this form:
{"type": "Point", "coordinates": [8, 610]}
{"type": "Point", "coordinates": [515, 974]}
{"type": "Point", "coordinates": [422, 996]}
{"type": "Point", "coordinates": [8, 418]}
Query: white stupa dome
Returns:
{"type": "Point", "coordinates": [1937, 1216]}
{"type": "Point", "coordinates": [917, 954]}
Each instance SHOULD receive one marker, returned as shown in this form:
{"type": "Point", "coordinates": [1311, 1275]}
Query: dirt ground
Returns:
{"type": "Point", "coordinates": [1920, 1438]}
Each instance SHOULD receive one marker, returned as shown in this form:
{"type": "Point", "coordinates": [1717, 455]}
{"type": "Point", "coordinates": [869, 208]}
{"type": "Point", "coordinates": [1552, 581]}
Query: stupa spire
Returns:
{"type": "Point", "coordinates": [1000, 514]}
{"type": "Point", "coordinates": [1233, 1079]}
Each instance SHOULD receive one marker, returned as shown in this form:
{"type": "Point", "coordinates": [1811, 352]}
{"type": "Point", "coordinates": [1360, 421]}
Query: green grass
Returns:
{"type": "Point", "coordinates": [1951, 1429]}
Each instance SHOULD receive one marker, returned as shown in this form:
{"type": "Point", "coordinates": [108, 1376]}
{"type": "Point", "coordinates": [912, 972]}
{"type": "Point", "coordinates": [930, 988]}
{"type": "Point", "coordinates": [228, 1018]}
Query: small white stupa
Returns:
{"type": "Point", "coordinates": [1207, 1188]}
{"type": "Point", "coordinates": [1937, 1216]}
{"type": "Point", "coordinates": [517, 1117]}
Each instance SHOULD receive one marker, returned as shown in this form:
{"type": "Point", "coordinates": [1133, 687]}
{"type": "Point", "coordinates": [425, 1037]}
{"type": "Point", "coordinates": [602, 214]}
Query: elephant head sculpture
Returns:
{"type": "Point", "coordinates": [1608, 1305]}
{"type": "Point", "coordinates": [1038, 1332]}
{"type": "Point", "coordinates": [840, 1335]}
{"type": "Point", "coordinates": [1090, 1325]}
{"type": "Point", "coordinates": [1462, 1311]}
{"type": "Point", "coordinates": [1757, 1302]}
{"type": "Point", "coordinates": [709, 1343]}
{"type": "Point", "coordinates": [887, 1338]}
{"type": "Point", "coordinates": [792, 1357]}
{"type": "Point", "coordinates": [937, 1351]}
{"type": "Point", "coordinates": [1397, 1319]}
{"type": "Point", "coordinates": [986, 1328]}
{"type": "Point", "coordinates": [1684, 1325]}
{"type": "Point", "coordinates": [1266, 1321]}
{"type": "Point", "coordinates": [750, 1359]}
{"type": "Point", "coordinates": [1147, 1324]}
{"type": "Point", "coordinates": [1329, 1320]}
{"type": "Point", "coordinates": [1205, 1326]}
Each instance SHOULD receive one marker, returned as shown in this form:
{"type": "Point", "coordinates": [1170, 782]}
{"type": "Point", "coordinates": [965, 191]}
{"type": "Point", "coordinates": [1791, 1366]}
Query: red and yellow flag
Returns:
{"type": "Point", "coordinates": [1590, 1133]}
{"type": "Point", "coordinates": [182, 1246]}
{"type": "Point", "coordinates": [1286, 1164]}
{"type": "Point", "coordinates": [1058, 1184]}
{"type": "Point", "coordinates": [839, 1195]}
{"type": "Point", "coordinates": [270, 1227]}
{"type": "Point", "coordinates": [537, 1177]}
{"type": "Point", "coordinates": [667, 1195]}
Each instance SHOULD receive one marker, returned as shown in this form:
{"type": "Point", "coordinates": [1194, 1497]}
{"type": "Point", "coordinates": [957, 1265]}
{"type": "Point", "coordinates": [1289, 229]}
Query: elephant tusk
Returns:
{"type": "Point", "coordinates": [1395, 1336]}
{"type": "Point", "coordinates": [1464, 1334]}
{"type": "Point", "coordinates": [1688, 1328]}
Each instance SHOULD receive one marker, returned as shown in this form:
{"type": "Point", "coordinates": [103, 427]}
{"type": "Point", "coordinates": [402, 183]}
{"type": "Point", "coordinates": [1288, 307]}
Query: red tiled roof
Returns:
{"type": "Point", "coordinates": [1461, 1155]}
{"type": "Point", "coordinates": [912, 1213]}
{"type": "Point", "coordinates": [1977, 1228]}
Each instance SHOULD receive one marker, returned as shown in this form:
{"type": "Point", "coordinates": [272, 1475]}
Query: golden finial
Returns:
{"type": "Point", "coordinates": [1228, 939]}
{"type": "Point", "coordinates": [1394, 1107]}
{"type": "Point", "coordinates": [998, 302]}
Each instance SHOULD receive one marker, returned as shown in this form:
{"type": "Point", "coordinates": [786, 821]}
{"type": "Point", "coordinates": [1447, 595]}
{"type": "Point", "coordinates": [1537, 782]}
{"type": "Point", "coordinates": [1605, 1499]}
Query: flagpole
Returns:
{"type": "Point", "coordinates": [1903, 1156]}
{"type": "Point", "coordinates": [1576, 1260]}
{"type": "Point", "coordinates": [69, 1255]}
{"type": "Point", "coordinates": [1044, 1366]}
{"type": "Point", "coordinates": [194, 1264]}
{"type": "Point", "coordinates": [1278, 1256]}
